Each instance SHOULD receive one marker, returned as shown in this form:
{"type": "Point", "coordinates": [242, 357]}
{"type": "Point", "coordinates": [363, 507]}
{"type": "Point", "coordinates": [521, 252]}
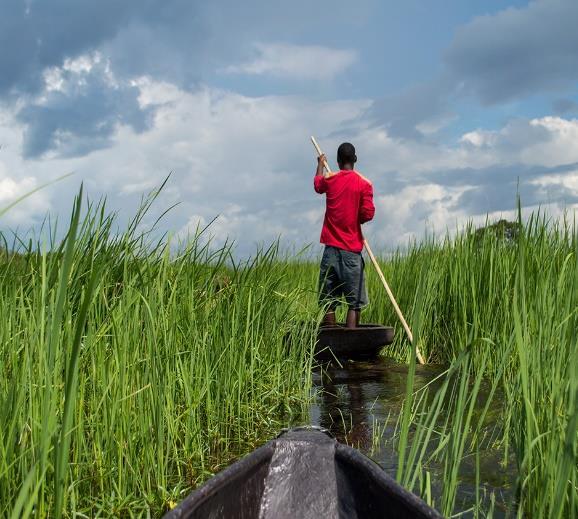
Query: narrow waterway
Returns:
{"type": "Point", "coordinates": [360, 403]}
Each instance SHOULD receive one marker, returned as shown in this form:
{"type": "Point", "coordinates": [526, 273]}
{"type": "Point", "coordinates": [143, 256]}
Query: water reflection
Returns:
{"type": "Point", "coordinates": [343, 412]}
{"type": "Point", "coordinates": [355, 396]}
{"type": "Point", "coordinates": [360, 403]}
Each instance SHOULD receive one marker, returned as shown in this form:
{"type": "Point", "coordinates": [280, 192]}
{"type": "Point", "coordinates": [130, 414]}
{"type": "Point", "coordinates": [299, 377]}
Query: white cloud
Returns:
{"type": "Point", "coordinates": [298, 62]}
{"type": "Point", "coordinates": [236, 223]}
{"type": "Point", "coordinates": [415, 209]}
{"type": "Point", "coordinates": [568, 180]}
{"type": "Point", "coordinates": [25, 212]}
{"type": "Point", "coordinates": [547, 141]}
{"type": "Point", "coordinates": [249, 161]}
{"type": "Point", "coordinates": [58, 78]}
{"type": "Point", "coordinates": [561, 148]}
{"type": "Point", "coordinates": [246, 159]}
{"type": "Point", "coordinates": [16, 180]}
{"type": "Point", "coordinates": [479, 138]}
{"type": "Point", "coordinates": [11, 189]}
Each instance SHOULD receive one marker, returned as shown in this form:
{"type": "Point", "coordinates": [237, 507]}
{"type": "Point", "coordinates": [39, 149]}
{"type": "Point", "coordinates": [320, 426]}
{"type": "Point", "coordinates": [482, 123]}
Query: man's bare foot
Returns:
{"type": "Point", "coordinates": [352, 320]}
{"type": "Point", "coordinates": [329, 319]}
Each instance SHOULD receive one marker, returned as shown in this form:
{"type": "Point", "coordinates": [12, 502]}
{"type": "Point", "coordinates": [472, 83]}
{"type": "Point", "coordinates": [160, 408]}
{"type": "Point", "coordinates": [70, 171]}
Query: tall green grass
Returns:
{"type": "Point", "coordinates": [130, 370]}
{"type": "Point", "coordinates": [503, 313]}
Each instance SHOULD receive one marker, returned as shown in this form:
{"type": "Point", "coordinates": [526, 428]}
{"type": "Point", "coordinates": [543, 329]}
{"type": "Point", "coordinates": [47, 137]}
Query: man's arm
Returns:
{"type": "Point", "coordinates": [366, 207]}
{"type": "Point", "coordinates": [319, 181]}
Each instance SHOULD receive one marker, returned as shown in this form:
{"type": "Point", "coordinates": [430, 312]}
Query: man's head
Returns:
{"type": "Point", "coordinates": [346, 155]}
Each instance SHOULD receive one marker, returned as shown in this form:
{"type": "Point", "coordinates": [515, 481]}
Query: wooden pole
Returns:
{"type": "Point", "coordinates": [319, 152]}
{"type": "Point", "coordinates": [379, 273]}
{"type": "Point", "coordinates": [393, 301]}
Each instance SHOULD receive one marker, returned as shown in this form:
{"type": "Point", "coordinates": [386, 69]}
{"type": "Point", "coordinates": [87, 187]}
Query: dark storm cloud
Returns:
{"type": "Point", "coordinates": [178, 41]}
{"type": "Point", "coordinates": [135, 37]}
{"type": "Point", "coordinates": [35, 35]}
{"type": "Point", "coordinates": [517, 52]}
{"type": "Point", "coordinates": [81, 118]}
{"type": "Point", "coordinates": [497, 58]}
{"type": "Point", "coordinates": [167, 39]}
{"type": "Point", "coordinates": [402, 113]}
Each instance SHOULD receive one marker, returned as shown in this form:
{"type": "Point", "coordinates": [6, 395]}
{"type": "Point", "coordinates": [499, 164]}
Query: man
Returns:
{"type": "Point", "coordinates": [349, 203]}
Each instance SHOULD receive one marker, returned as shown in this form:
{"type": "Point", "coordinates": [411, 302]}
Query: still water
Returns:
{"type": "Point", "coordinates": [360, 403]}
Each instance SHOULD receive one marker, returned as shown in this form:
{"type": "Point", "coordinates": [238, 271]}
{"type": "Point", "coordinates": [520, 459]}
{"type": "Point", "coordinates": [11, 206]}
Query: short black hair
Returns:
{"type": "Point", "coordinates": [346, 154]}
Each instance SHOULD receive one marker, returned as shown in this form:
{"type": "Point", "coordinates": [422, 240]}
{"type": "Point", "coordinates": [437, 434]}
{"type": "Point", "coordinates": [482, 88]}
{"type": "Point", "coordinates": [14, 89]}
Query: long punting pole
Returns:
{"type": "Point", "coordinates": [379, 272]}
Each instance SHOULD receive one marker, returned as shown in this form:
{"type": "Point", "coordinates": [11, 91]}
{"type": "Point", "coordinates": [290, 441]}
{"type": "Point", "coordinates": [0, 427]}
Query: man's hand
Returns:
{"type": "Point", "coordinates": [320, 164]}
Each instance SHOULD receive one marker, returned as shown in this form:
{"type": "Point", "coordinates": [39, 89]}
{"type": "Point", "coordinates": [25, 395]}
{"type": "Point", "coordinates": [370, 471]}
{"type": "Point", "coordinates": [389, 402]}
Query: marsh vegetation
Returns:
{"type": "Point", "coordinates": [132, 369]}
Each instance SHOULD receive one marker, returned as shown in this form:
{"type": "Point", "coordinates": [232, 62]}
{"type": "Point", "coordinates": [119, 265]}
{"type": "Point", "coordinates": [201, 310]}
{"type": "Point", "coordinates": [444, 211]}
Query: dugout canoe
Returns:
{"type": "Point", "coordinates": [306, 474]}
{"type": "Point", "coordinates": [363, 342]}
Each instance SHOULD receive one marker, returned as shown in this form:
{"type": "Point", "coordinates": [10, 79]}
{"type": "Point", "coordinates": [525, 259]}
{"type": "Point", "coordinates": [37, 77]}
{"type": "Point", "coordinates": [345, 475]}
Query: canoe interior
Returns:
{"type": "Point", "coordinates": [305, 474]}
{"type": "Point", "coordinates": [363, 342]}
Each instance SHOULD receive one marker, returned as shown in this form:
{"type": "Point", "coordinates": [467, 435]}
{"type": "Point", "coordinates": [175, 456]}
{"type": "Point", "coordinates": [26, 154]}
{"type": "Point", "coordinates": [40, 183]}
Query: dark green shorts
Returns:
{"type": "Point", "coordinates": [341, 275]}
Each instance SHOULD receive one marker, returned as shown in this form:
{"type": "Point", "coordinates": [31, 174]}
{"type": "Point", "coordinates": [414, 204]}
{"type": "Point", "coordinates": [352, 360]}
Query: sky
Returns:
{"type": "Point", "coordinates": [454, 107]}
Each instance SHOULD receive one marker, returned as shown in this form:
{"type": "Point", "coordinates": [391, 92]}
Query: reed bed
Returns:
{"type": "Point", "coordinates": [502, 312]}
{"type": "Point", "coordinates": [500, 309]}
{"type": "Point", "coordinates": [131, 370]}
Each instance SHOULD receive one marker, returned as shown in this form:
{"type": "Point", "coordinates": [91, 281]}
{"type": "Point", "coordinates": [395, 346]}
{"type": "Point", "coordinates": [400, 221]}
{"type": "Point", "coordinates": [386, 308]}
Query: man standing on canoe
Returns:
{"type": "Point", "coordinates": [349, 203]}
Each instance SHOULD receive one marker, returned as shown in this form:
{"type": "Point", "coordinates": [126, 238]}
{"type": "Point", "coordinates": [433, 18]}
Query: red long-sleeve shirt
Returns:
{"type": "Point", "coordinates": [349, 203]}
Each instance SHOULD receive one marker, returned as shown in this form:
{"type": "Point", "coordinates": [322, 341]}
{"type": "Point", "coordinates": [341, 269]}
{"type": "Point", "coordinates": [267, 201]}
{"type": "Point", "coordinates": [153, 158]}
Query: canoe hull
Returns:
{"type": "Point", "coordinates": [307, 474]}
{"type": "Point", "coordinates": [363, 342]}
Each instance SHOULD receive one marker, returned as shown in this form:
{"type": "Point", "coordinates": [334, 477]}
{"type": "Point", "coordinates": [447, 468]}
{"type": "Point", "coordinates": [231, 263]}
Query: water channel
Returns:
{"type": "Point", "coordinates": [360, 403]}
